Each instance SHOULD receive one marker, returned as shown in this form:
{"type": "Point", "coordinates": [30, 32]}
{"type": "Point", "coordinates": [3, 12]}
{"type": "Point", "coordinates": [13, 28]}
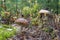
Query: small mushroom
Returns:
{"type": "Point", "coordinates": [23, 22]}
{"type": "Point", "coordinates": [12, 19]}
{"type": "Point", "coordinates": [44, 12]}
{"type": "Point", "coordinates": [7, 13]}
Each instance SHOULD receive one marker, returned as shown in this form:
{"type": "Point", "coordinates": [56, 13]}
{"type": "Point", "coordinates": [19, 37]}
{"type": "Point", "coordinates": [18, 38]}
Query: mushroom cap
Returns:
{"type": "Point", "coordinates": [22, 21]}
{"type": "Point", "coordinates": [44, 11]}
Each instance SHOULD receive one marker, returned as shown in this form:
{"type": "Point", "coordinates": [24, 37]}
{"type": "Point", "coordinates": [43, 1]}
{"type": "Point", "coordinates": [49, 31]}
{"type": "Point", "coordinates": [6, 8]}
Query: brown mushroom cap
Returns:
{"type": "Point", "coordinates": [22, 21]}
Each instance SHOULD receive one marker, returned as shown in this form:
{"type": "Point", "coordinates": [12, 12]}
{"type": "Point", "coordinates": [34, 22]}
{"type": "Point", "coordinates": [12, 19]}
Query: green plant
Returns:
{"type": "Point", "coordinates": [34, 21]}
{"type": "Point", "coordinates": [50, 31]}
{"type": "Point", "coordinates": [26, 11]}
{"type": "Point", "coordinates": [2, 14]}
{"type": "Point", "coordinates": [47, 29]}
{"type": "Point", "coordinates": [53, 35]}
{"type": "Point", "coordinates": [7, 32]}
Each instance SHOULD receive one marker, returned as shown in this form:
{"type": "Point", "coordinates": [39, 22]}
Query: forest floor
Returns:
{"type": "Point", "coordinates": [36, 33]}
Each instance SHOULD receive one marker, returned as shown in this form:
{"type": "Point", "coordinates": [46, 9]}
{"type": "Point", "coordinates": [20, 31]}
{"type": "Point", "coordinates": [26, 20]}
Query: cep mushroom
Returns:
{"type": "Point", "coordinates": [23, 22]}
{"type": "Point", "coordinates": [44, 13]}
